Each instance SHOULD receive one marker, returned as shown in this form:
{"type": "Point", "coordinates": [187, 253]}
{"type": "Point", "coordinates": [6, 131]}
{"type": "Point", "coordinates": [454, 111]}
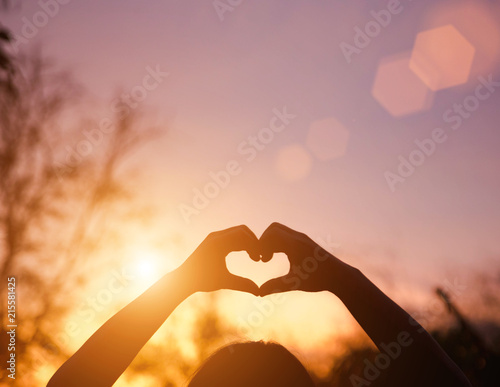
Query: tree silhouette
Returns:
{"type": "Point", "coordinates": [54, 213]}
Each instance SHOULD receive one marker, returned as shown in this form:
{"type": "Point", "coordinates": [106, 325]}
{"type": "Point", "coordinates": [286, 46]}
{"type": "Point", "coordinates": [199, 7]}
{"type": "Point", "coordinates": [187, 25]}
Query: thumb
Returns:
{"type": "Point", "coordinates": [275, 285]}
{"type": "Point", "coordinates": [242, 284]}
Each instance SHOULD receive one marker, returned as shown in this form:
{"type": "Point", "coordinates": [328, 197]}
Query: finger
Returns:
{"type": "Point", "coordinates": [234, 282]}
{"type": "Point", "coordinates": [276, 239]}
{"type": "Point", "coordinates": [277, 285]}
{"type": "Point", "coordinates": [237, 239]}
{"type": "Point", "coordinates": [284, 228]}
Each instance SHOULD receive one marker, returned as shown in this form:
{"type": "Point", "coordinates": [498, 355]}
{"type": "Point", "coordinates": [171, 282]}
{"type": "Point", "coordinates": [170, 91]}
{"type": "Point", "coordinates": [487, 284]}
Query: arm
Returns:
{"type": "Point", "coordinates": [109, 351]}
{"type": "Point", "coordinates": [419, 360]}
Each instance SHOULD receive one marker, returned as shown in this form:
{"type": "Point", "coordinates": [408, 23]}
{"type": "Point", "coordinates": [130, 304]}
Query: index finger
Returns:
{"type": "Point", "coordinates": [238, 238]}
{"type": "Point", "coordinates": [277, 239]}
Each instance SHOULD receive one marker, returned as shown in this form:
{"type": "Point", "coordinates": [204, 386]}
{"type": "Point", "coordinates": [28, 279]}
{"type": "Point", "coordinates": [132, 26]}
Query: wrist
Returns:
{"type": "Point", "coordinates": [343, 278]}
{"type": "Point", "coordinates": [180, 281]}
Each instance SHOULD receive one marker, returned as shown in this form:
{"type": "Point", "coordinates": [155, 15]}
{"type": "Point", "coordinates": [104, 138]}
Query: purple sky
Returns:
{"type": "Point", "coordinates": [226, 77]}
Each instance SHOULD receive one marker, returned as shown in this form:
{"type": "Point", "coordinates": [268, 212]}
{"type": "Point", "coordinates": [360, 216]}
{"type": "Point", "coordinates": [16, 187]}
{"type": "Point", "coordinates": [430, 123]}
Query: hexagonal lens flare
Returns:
{"type": "Point", "coordinates": [327, 139]}
{"type": "Point", "coordinates": [398, 89]}
{"type": "Point", "coordinates": [293, 163]}
{"type": "Point", "coordinates": [442, 57]}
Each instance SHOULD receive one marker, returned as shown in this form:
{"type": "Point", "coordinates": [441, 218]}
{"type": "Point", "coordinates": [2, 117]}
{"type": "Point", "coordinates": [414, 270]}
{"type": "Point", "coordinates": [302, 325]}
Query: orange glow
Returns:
{"type": "Point", "coordinates": [327, 139]}
{"type": "Point", "coordinates": [478, 22]}
{"type": "Point", "coordinates": [267, 89]}
{"type": "Point", "coordinates": [442, 57]}
{"type": "Point", "coordinates": [398, 89]}
{"type": "Point", "coordinates": [239, 263]}
{"type": "Point", "coordinates": [293, 163]}
{"type": "Point", "coordinates": [148, 264]}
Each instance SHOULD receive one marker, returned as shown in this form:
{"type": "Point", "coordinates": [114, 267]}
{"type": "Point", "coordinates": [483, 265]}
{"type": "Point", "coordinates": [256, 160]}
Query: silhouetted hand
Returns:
{"type": "Point", "coordinates": [111, 349]}
{"type": "Point", "coordinates": [312, 268]}
{"type": "Point", "coordinates": [205, 270]}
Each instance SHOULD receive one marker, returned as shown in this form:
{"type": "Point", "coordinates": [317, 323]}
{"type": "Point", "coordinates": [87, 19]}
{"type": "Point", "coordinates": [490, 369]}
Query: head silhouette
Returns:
{"type": "Point", "coordinates": [252, 364]}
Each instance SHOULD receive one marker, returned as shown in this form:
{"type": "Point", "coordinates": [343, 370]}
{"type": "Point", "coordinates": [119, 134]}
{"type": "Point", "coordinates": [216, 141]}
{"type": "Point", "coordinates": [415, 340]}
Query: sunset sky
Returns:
{"type": "Point", "coordinates": [329, 170]}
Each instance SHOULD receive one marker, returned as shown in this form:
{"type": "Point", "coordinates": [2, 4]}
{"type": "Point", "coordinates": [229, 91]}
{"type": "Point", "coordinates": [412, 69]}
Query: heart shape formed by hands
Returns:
{"type": "Point", "coordinates": [296, 262]}
{"type": "Point", "coordinates": [239, 263]}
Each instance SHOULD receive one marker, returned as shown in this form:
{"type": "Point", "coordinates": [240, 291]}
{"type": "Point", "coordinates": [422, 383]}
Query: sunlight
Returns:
{"type": "Point", "coordinates": [145, 267]}
{"type": "Point", "coordinates": [149, 264]}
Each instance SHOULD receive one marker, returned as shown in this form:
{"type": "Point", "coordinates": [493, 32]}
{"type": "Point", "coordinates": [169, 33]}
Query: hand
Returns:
{"type": "Point", "coordinates": [312, 268]}
{"type": "Point", "coordinates": [205, 270]}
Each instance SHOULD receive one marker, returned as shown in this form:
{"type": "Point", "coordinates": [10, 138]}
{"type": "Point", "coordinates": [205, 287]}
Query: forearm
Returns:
{"type": "Point", "coordinates": [109, 351]}
{"type": "Point", "coordinates": [380, 317]}
{"type": "Point", "coordinates": [416, 354]}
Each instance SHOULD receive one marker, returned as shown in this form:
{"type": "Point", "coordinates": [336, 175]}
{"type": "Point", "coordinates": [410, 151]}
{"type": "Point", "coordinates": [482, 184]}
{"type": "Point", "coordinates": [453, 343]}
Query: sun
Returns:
{"type": "Point", "coordinates": [145, 268]}
{"type": "Point", "coordinates": [147, 264]}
